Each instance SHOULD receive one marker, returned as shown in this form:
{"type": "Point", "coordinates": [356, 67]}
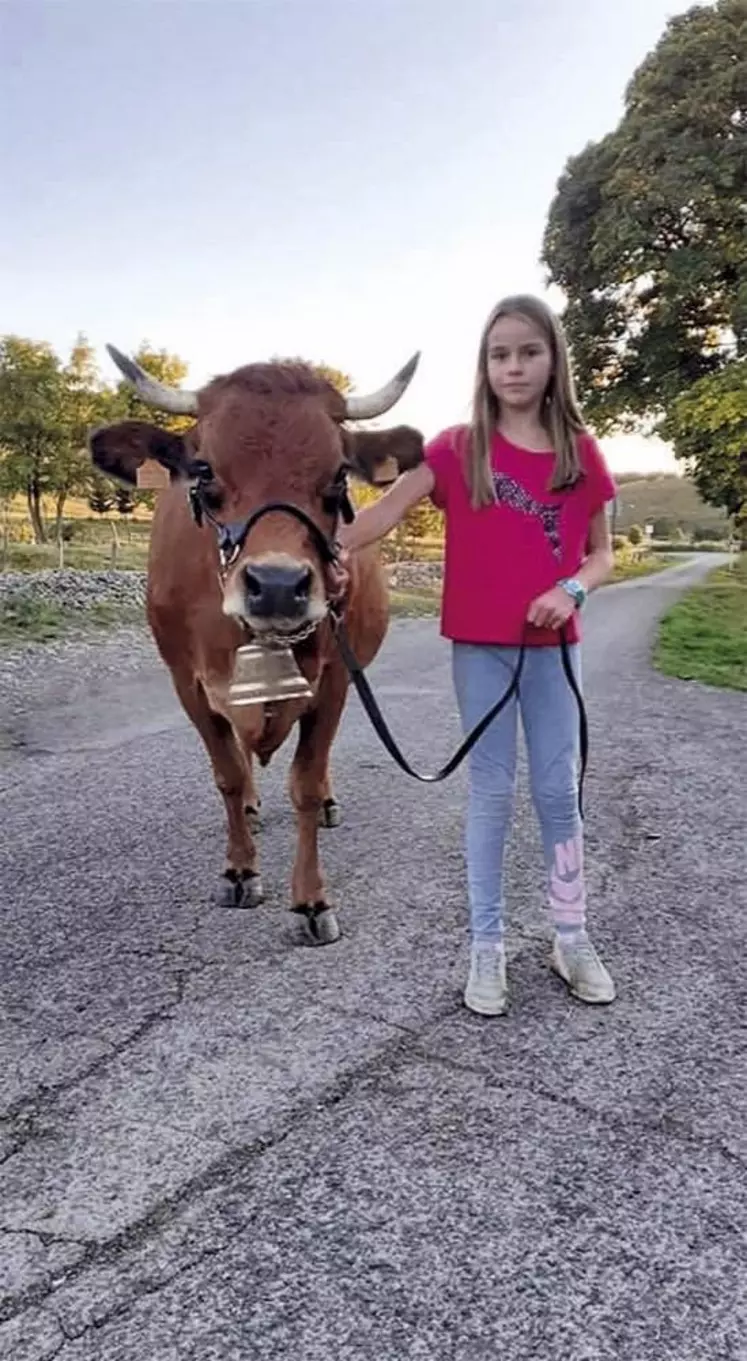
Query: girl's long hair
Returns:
{"type": "Point", "coordinates": [560, 414]}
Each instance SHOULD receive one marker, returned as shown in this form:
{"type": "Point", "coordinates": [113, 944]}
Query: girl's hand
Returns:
{"type": "Point", "coordinates": [551, 610]}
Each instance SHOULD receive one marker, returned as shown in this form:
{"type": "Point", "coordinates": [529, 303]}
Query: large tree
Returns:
{"type": "Point", "coordinates": [167, 368]}
{"type": "Point", "coordinates": [84, 404]}
{"type": "Point", "coordinates": [32, 435]}
{"type": "Point", "coordinates": [647, 234]}
{"type": "Point", "coordinates": [709, 426]}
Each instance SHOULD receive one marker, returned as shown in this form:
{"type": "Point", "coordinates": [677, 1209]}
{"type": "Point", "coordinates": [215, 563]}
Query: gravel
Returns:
{"type": "Point", "coordinates": [74, 589]}
{"type": "Point", "coordinates": [64, 670]}
{"type": "Point", "coordinates": [80, 589]}
{"type": "Point", "coordinates": [417, 575]}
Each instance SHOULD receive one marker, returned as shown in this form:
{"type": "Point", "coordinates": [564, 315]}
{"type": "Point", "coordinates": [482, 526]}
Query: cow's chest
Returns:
{"type": "Point", "coordinates": [259, 727]}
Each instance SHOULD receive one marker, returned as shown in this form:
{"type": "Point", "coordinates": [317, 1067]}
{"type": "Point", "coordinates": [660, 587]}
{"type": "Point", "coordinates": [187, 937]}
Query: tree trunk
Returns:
{"type": "Point", "coordinates": [59, 508]}
{"type": "Point", "coordinates": [33, 499]}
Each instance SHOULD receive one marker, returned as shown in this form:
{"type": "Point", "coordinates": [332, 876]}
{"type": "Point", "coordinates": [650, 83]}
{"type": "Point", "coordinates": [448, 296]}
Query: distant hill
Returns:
{"type": "Point", "coordinates": [668, 501]}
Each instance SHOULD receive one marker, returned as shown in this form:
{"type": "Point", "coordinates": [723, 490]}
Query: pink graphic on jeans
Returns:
{"type": "Point", "coordinates": [566, 883]}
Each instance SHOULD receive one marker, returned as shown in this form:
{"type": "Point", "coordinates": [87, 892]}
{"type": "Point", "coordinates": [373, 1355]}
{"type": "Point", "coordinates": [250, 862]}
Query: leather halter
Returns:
{"type": "Point", "coordinates": [232, 536]}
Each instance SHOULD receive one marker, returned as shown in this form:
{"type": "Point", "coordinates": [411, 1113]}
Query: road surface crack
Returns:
{"type": "Point", "coordinates": [665, 1126]}
{"type": "Point", "coordinates": [46, 1239]}
{"type": "Point", "coordinates": [19, 1121]}
{"type": "Point", "coordinates": [237, 1160]}
{"type": "Point", "coordinates": [146, 1288]}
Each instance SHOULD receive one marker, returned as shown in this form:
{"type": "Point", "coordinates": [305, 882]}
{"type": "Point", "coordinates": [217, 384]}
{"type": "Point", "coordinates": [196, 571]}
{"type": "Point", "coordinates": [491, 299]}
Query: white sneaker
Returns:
{"type": "Point", "coordinates": [486, 991]}
{"type": "Point", "coordinates": [578, 964]}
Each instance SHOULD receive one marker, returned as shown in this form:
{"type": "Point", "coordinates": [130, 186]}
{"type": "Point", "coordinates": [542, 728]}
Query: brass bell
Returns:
{"type": "Point", "coordinates": [265, 674]}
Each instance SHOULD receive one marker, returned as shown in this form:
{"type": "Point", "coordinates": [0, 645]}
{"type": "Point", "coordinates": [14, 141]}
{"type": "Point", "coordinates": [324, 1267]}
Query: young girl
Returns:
{"type": "Point", "coordinates": [523, 489]}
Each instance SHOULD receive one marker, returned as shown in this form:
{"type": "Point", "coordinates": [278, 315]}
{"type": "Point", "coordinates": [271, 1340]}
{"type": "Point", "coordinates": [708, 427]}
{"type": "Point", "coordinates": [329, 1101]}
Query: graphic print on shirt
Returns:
{"type": "Point", "coordinates": [511, 493]}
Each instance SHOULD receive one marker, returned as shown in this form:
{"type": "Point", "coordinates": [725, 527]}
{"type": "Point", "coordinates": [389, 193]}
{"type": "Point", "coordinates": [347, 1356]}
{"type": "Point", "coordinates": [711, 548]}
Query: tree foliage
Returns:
{"type": "Point", "coordinates": [708, 425]}
{"type": "Point", "coordinates": [48, 407]}
{"type": "Point", "coordinates": [124, 499]}
{"type": "Point", "coordinates": [100, 497]}
{"type": "Point", "coordinates": [166, 368]}
{"type": "Point", "coordinates": [32, 435]}
{"type": "Point", "coordinates": [646, 234]}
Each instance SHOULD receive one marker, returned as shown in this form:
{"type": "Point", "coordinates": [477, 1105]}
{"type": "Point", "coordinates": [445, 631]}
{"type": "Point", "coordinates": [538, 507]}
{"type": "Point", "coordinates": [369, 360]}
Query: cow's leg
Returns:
{"type": "Point", "coordinates": [309, 785]}
{"type": "Point", "coordinates": [240, 885]}
{"type": "Point", "coordinates": [329, 813]}
{"type": "Point", "coordinates": [252, 799]}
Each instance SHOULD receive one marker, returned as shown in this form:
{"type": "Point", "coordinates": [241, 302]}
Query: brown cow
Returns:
{"type": "Point", "coordinates": [265, 433]}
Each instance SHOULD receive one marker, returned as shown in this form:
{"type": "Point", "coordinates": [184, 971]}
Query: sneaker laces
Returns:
{"type": "Point", "coordinates": [581, 950]}
{"type": "Point", "coordinates": [487, 960]}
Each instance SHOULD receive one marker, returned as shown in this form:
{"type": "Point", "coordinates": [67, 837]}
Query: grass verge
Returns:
{"type": "Point", "coordinates": [642, 567]}
{"type": "Point", "coordinates": [93, 557]}
{"type": "Point", "coordinates": [27, 620]}
{"type": "Point", "coordinates": [704, 636]}
{"type": "Point", "coordinates": [418, 602]}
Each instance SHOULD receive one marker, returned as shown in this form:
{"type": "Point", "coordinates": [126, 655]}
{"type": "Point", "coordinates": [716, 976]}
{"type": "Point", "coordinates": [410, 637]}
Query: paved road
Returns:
{"type": "Point", "coordinates": [220, 1145]}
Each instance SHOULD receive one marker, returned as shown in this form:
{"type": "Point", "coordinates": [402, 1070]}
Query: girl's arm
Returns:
{"type": "Point", "coordinates": [375, 521]}
{"type": "Point", "coordinates": [555, 607]}
{"type": "Point", "coordinates": [601, 559]}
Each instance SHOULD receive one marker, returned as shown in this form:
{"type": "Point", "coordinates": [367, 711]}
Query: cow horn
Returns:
{"type": "Point", "coordinates": [180, 402]}
{"type": "Point", "coordinates": [376, 403]}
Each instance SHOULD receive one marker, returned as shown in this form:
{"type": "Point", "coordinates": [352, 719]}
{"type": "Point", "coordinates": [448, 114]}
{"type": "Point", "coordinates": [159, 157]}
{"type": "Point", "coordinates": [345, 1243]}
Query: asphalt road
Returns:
{"type": "Point", "coordinates": [218, 1144]}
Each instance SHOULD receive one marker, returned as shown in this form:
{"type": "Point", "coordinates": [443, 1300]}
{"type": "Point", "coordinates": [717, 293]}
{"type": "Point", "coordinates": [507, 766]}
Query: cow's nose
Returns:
{"type": "Point", "coordinates": [278, 592]}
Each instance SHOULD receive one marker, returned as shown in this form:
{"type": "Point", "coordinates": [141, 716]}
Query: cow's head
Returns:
{"type": "Point", "coordinates": [266, 433]}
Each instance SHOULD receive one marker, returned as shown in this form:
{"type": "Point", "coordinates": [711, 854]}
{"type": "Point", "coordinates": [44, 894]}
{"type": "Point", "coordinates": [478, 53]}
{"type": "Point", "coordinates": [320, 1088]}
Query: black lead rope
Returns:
{"type": "Point", "coordinates": [231, 538]}
{"type": "Point", "coordinates": [378, 722]}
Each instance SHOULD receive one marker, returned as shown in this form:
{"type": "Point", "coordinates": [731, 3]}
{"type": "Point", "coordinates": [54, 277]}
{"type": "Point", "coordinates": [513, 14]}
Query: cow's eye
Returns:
{"type": "Point", "coordinates": [336, 499]}
{"type": "Point", "coordinates": [200, 470]}
{"type": "Point", "coordinates": [202, 474]}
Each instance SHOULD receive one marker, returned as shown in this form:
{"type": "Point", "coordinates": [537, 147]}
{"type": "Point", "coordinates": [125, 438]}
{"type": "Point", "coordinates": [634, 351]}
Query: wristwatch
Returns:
{"type": "Point", "coordinates": [574, 589]}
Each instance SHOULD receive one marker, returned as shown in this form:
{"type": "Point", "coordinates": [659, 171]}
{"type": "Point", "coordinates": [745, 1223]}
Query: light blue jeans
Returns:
{"type": "Point", "coordinates": [550, 719]}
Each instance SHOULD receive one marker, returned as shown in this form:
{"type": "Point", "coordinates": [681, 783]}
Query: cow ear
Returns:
{"type": "Point", "coordinates": [380, 456]}
{"type": "Point", "coordinates": [119, 450]}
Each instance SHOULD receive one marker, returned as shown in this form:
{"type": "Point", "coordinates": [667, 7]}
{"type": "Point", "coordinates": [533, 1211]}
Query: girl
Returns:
{"type": "Point", "coordinates": [523, 488]}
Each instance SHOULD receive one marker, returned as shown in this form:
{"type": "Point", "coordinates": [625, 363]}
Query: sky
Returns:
{"type": "Point", "coordinates": [344, 180]}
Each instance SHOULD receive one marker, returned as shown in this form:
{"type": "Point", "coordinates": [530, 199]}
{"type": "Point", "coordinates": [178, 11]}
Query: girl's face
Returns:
{"type": "Point", "coordinates": [518, 362]}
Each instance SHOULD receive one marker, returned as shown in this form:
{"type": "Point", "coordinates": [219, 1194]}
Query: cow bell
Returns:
{"type": "Point", "coordinates": [264, 674]}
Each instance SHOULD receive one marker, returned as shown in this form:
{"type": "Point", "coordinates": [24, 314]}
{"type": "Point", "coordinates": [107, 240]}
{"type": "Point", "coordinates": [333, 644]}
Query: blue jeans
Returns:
{"type": "Point", "coordinates": [550, 719]}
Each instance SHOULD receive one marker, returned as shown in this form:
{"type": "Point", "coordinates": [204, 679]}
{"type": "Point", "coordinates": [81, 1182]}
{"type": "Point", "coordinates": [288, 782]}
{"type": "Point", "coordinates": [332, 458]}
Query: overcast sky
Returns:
{"type": "Point", "coordinates": [346, 181]}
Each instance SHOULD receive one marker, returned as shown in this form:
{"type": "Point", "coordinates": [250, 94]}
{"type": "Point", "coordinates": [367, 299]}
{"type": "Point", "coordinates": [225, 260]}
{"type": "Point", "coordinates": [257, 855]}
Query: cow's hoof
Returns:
{"type": "Point", "coordinates": [319, 924]}
{"type": "Point", "coordinates": [240, 888]}
{"type": "Point", "coordinates": [253, 818]}
{"type": "Point", "coordinates": [330, 814]}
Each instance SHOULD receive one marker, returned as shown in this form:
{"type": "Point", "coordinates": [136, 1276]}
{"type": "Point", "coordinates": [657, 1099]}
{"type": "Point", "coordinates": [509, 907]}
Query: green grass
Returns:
{"type": "Point", "coordinates": [32, 557]}
{"type": "Point", "coordinates": [26, 620]}
{"type": "Point", "coordinates": [642, 567]}
{"type": "Point", "coordinates": [704, 636]}
{"type": "Point", "coordinates": [415, 603]}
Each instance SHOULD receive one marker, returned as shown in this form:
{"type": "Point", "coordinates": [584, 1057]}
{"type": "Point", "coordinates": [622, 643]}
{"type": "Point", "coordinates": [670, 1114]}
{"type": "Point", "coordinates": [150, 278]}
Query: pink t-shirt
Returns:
{"type": "Point", "coordinates": [500, 557]}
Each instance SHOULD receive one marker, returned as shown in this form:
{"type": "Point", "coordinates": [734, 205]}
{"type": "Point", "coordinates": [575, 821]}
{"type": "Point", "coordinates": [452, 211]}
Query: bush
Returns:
{"type": "Point", "coordinates": [635, 535]}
